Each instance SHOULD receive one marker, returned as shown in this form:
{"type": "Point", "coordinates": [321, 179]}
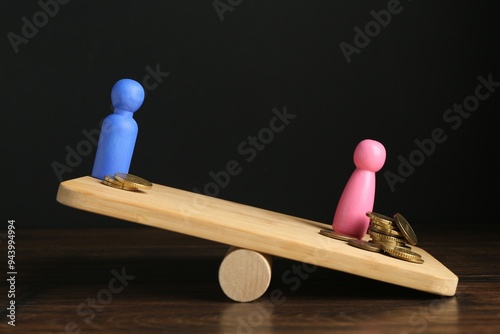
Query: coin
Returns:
{"type": "Point", "coordinates": [404, 254]}
{"type": "Point", "coordinates": [380, 218]}
{"type": "Point", "coordinates": [335, 235]}
{"type": "Point", "coordinates": [366, 245]}
{"type": "Point", "coordinates": [133, 181]}
{"type": "Point", "coordinates": [405, 228]}
{"type": "Point", "coordinates": [385, 230]}
{"type": "Point", "coordinates": [112, 182]}
{"type": "Point", "coordinates": [386, 238]}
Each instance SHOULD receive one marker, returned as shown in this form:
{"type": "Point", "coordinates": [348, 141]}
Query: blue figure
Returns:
{"type": "Point", "coordinates": [118, 130]}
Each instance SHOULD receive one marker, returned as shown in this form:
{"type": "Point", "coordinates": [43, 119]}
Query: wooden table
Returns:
{"type": "Point", "coordinates": [140, 279]}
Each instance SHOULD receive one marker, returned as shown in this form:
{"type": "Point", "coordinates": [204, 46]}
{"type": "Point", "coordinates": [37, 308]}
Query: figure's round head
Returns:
{"type": "Point", "coordinates": [369, 155]}
{"type": "Point", "coordinates": [127, 94]}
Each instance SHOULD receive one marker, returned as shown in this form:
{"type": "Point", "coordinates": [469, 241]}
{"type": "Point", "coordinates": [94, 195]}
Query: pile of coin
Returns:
{"type": "Point", "coordinates": [390, 236]}
{"type": "Point", "coordinates": [126, 181]}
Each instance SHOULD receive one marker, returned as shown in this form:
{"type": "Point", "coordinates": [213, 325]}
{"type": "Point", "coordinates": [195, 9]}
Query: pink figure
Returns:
{"type": "Point", "coordinates": [359, 193]}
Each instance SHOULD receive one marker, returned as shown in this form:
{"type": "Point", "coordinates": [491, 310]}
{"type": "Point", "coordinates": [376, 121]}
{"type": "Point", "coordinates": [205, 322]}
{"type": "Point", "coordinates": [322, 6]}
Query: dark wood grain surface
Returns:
{"type": "Point", "coordinates": [145, 280]}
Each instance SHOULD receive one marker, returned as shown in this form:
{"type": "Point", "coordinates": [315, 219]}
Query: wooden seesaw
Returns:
{"type": "Point", "coordinates": [253, 235]}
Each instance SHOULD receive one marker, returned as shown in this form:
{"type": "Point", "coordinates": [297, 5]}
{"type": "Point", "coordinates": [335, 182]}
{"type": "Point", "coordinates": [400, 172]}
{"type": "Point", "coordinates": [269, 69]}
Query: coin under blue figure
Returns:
{"type": "Point", "coordinates": [119, 130]}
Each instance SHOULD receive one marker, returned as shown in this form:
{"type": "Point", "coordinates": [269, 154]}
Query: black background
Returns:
{"type": "Point", "coordinates": [225, 78]}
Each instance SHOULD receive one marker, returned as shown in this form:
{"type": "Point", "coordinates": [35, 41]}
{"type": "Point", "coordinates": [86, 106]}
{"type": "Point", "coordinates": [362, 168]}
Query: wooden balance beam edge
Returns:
{"type": "Point", "coordinates": [253, 228]}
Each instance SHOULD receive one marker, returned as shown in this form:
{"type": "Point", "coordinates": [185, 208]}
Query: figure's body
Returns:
{"type": "Point", "coordinates": [119, 130]}
{"type": "Point", "coordinates": [358, 196]}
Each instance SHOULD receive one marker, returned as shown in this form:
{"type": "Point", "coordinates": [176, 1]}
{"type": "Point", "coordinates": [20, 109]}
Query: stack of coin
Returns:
{"type": "Point", "coordinates": [126, 181]}
{"type": "Point", "coordinates": [390, 236]}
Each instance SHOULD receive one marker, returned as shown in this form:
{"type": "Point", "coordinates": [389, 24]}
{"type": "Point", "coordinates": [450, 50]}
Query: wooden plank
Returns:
{"type": "Point", "coordinates": [253, 228]}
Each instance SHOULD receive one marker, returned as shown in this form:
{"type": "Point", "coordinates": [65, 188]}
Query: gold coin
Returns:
{"type": "Point", "coordinates": [111, 182]}
{"type": "Point", "coordinates": [380, 218]}
{"type": "Point", "coordinates": [385, 230]}
{"type": "Point", "coordinates": [386, 238]}
{"type": "Point", "coordinates": [133, 180]}
{"type": "Point", "coordinates": [405, 228]}
{"type": "Point", "coordinates": [404, 254]}
{"type": "Point", "coordinates": [366, 245]}
{"type": "Point", "coordinates": [390, 245]}
{"type": "Point", "coordinates": [335, 235]}
{"type": "Point", "coordinates": [383, 224]}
